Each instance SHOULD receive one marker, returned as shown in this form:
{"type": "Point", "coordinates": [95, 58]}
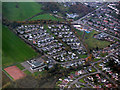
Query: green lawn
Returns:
{"type": "Point", "coordinates": [20, 66]}
{"type": "Point", "coordinates": [103, 54]}
{"type": "Point", "coordinates": [35, 74]}
{"type": "Point", "coordinates": [93, 70]}
{"type": "Point", "coordinates": [82, 80]}
{"type": "Point", "coordinates": [82, 86]}
{"type": "Point", "coordinates": [20, 10]}
{"type": "Point", "coordinates": [82, 56]}
{"type": "Point", "coordinates": [14, 50]}
{"type": "Point", "coordinates": [80, 33]}
{"type": "Point", "coordinates": [96, 60]}
{"type": "Point", "coordinates": [46, 17]}
{"type": "Point", "coordinates": [93, 43]}
{"type": "Point", "coordinates": [97, 65]}
{"type": "Point", "coordinates": [27, 72]}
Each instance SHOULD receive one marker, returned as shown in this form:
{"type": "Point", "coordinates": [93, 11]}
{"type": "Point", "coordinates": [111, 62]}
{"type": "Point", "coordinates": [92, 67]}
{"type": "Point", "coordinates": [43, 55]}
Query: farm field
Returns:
{"type": "Point", "coordinates": [19, 11]}
{"type": "Point", "coordinates": [46, 17]}
{"type": "Point", "coordinates": [14, 50]}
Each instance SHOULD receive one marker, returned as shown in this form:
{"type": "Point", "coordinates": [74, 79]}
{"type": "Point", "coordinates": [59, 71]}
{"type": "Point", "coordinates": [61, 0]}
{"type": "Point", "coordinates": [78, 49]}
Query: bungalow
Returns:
{"type": "Point", "coordinates": [90, 78]}
{"type": "Point", "coordinates": [72, 15]}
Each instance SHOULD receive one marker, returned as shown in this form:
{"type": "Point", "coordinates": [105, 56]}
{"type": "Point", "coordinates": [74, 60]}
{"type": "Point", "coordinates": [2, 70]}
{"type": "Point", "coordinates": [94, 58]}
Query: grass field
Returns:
{"type": "Point", "coordinates": [5, 79]}
{"type": "Point", "coordinates": [14, 50]}
{"type": "Point", "coordinates": [27, 72]}
{"type": "Point", "coordinates": [20, 10]}
{"type": "Point", "coordinates": [91, 41]}
{"type": "Point", "coordinates": [46, 17]}
{"type": "Point", "coordinates": [20, 66]}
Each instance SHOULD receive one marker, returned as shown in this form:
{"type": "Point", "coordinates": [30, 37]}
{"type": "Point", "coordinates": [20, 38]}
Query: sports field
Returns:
{"type": "Point", "coordinates": [14, 50]}
{"type": "Point", "coordinates": [20, 10]}
{"type": "Point", "coordinates": [15, 72]}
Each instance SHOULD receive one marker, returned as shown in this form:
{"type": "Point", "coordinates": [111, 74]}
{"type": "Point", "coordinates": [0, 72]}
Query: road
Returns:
{"type": "Point", "coordinates": [111, 80]}
{"type": "Point", "coordinates": [89, 14]}
{"type": "Point", "coordinates": [81, 78]}
{"type": "Point", "coordinates": [98, 71]}
{"type": "Point", "coordinates": [71, 61]}
{"type": "Point", "coordinates": [79, 21]}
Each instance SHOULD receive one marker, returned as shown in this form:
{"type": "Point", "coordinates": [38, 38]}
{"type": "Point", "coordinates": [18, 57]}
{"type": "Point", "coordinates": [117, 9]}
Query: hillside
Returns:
{"type": "Point", "coordinates": [20, 10]}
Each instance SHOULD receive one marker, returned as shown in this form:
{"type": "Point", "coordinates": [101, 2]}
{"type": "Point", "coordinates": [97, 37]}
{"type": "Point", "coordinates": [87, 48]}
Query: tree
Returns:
{"type": "Point", "coordinates": [50, 7]}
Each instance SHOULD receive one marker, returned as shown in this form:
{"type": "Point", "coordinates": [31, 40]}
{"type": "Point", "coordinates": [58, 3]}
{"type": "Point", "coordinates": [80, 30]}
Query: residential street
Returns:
{"type": "Point", "coordinates": [80, 78]}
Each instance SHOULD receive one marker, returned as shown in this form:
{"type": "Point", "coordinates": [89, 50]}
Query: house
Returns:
{"type": "Point", "coordinates": [76, 73]}
{"type": "Point", "coordinates": [108, 85]}
{"type": "Point", "coordinates": [72, 15]}
{"type": "Point", "coordinates": [50, 66]}
{"type": "Point", "coordinates": [90, 78]}
{"type": "Point", "coordinates": [36, 63]}
{"type": "Point", "coordinates": [71, 76]}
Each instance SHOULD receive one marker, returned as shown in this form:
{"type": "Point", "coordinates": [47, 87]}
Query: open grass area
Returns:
{"type": "Point", "coordinates": [27, 72]}
{"type": "Point", "coordinates": [82, 80]}
{"type": "Point", "coordinates": [20, 66]}
{"type": "Point", "coordinates": [14, 50]}
{"type": "Point", "coordinates": [46, 17]}
{"type": "Point", "coordinates": [103, 54]}
{"type": "Point", "coordinates": [93, 70]}
{"type": "Point", "coordinates": [35, 74]}
{"type": "Point", "coordinates": [80, 33]}
{"type": "Point", "coordinates": [20, 10]}
{"type": "Point", "coordinates": [91, 41]}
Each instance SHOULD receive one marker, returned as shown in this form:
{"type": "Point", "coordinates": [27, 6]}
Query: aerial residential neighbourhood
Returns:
{"type": "Point", "coordinates": [61, 45]}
